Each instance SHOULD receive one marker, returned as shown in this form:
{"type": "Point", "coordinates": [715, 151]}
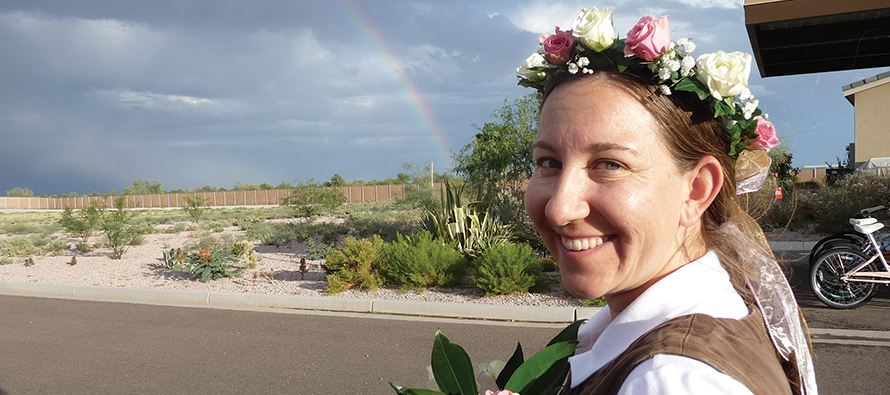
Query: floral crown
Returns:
{"type": "Point", "coordinates": [719, 78]}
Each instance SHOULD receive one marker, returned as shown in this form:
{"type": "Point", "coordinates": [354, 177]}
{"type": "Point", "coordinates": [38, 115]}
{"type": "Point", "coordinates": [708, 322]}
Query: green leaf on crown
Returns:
{"type": "Point", "coordinates": [695, 86]}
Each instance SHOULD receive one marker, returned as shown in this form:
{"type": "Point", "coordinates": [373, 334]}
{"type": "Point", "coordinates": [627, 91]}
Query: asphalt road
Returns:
{"type": "Point", "coordinates": [62, 346]}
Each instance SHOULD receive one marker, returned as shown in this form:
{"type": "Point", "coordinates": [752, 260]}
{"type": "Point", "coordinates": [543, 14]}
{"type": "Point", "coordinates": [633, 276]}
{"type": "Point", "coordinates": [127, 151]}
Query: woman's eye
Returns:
{"type": "Point", "coordinates": [609, 166]}
{"type": "Point", "coordinates": [549, 163]}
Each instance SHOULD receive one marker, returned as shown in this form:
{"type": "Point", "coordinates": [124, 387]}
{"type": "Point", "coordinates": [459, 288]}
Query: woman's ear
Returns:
{"type": "Point", "coordinates": [706, 180]}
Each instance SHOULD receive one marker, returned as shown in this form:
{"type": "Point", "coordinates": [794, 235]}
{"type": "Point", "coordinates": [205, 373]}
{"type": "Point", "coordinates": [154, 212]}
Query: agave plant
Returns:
{"type": "Point", "coordinates": [471, 228]}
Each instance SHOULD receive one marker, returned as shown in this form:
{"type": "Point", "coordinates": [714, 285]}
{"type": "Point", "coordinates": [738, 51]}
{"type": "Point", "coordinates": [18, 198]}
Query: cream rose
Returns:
{"type": "Point", "coordinates": [535, 60]}
{"type": "Point", "coordinates": [725, 74]}
{"type": "Point", "coordinates": [595, 28]}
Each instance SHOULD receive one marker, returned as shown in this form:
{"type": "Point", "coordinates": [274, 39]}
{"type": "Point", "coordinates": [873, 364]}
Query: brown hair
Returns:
{"type": "Point", "coordinates": [690, 132]}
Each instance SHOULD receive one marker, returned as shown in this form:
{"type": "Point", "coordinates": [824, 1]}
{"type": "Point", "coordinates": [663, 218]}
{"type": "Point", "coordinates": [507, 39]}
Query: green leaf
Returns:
{"type": "Point", "coordinates": [452, 367]}
{"type": "Point", "coordinates": [551, 381]}
{"type": "Point", "coordinates": [695, 86]}
{"type": "Point", "coordinates": [414, 391]}
{"type": "Point", "coordinates": [569, 333]}
{"type": "Point", "coordinates": [539, 364]}
{"type": "Point", "coordinates": [721, 108]}
{"type": "Point", "coordinates": [515, 362]}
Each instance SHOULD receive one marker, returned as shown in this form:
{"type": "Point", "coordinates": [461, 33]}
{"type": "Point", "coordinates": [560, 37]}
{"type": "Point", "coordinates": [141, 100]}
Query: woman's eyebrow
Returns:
{"type": "Point", "coordinates": [596, 147]}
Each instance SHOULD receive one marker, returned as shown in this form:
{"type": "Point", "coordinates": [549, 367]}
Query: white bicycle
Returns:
{"type": "Point", "coordinates": [846, 276]}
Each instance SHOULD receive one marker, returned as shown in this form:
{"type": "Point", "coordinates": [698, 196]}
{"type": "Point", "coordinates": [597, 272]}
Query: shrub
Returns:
{"type": "Point", "coordinates": [420, 262]}
{"type": "Point", "coordinates": [83, 248]}
{"type": "Point", "coordinates": [57, 246]}
{"type": "Point", "coordinates": [830, 208]}
{"type": "Point", "coordinates": [83, 224]}
{"type": "Point", "coordinates": [310, 199]}
{"type": "Point", "coordinates": [319, 251]}
{"type": "Point", "coordinates": [6, 261]}
{"type": "Point", "coordinates": [548, 264]}
{"type": "Point", "coordinates": [506, 269]}
{"type": "Point", "coordinates": [195, 208]}
{"type": "Point", "coordinates": [386, 225]}
{"type": "Point", "coordinates": [19, 246]}
{"type": "Point", "coordinates": [117, 227]}
{"type": "Point", "coordinates": [356, 264]}
{"type": "Point", "coordinates": [210, 259]}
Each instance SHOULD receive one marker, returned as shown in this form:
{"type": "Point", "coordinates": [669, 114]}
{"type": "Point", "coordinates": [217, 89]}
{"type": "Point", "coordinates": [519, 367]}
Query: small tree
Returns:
{"type": "Point", "coordinates": [117, 228]}
{"type": "Point", "coordinates": [308, 199]}
{"type": "Point", "coordinates": [144, 187]}
{"type": "Point", "coordinates": [20, 192]}
{"type": "Point", "coordinates": [81, 224]}
{"type": "Point", "coordinates": [195, 208]}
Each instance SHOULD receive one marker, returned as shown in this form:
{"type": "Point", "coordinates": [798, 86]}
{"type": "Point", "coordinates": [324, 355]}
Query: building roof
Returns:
{"type": "Point", "coordinates": [812, 36]}
{"type": "Point", "coordinates": [851, 90]}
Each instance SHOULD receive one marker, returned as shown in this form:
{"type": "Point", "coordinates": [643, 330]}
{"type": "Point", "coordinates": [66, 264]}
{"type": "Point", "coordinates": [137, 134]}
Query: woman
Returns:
{"type": "Point", "coordinates": [634, 194]}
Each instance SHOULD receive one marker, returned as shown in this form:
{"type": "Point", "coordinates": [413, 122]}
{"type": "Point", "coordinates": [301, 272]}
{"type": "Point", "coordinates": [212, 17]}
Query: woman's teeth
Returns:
{"type": "Point", "coordinates": [581, 244]}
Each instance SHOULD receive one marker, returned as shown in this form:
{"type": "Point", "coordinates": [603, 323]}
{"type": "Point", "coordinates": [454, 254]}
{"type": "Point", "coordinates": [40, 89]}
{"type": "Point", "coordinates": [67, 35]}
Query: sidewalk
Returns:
{"type": "Point", "coordinates": [333, 304]}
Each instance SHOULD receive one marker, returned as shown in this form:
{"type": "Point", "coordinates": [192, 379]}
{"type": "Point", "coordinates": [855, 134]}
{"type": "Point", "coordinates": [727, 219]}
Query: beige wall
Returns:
{"type": "Point", "coordinates": [355, 194]}
{"type": "Point", "coordinates": [872, 118]}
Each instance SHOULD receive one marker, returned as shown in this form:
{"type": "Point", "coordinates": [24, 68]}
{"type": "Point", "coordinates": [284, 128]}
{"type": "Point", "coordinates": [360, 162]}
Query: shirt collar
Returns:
{"type": "Point", "coordinates": [699, 287]}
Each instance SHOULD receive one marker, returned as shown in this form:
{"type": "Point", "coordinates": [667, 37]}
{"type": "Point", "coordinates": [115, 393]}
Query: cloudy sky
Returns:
{"type": "Point", "coordinates": [97, 93]}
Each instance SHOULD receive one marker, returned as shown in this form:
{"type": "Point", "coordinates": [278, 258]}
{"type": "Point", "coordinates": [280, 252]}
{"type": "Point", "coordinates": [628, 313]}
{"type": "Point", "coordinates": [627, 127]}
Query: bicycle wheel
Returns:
{"type": "Point", "coordinates": [826, 282]}
{"type": "Point", "coordinates": [849, 239]}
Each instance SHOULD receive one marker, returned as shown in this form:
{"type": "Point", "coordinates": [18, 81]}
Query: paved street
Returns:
{"type": "Point", "coordinates": [64, 346]}
{"type": "Point", "coordinates": [61, 346]}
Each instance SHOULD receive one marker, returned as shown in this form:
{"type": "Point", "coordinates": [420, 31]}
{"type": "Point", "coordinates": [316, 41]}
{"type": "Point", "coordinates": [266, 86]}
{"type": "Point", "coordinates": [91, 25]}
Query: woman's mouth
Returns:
{"type": "Point", "coordinates": [581, 244]}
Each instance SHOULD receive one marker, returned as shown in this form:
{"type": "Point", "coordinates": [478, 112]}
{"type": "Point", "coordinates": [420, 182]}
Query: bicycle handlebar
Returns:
{"type": "Point", "coordinates": [872, 209]}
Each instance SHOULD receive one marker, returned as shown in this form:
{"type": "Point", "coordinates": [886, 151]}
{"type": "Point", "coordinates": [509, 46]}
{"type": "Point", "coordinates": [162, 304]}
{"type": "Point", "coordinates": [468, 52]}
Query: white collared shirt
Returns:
{"type": "Point", "coordinates": [700, 287]}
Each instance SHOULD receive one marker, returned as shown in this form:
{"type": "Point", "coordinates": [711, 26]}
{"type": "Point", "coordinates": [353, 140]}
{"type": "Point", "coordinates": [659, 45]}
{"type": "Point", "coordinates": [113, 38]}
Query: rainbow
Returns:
{"type": "Point", "coordinates": [413, 96]}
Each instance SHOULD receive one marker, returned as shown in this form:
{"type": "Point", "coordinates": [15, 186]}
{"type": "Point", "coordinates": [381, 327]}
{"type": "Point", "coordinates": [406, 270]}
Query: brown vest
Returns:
{"type": "Point", "coordinates": [740, 349]}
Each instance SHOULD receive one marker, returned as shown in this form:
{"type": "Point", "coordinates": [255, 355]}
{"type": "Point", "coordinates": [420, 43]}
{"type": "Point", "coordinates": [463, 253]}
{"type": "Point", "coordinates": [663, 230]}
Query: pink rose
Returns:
{"type": "Point", "coordinates": [648, 39]}
{"type": "Point", "coordinates": [558, 47]}
{"type": "Point", "coordinates": [501, 392]}
{"type": "Point", "coordinates": [766, 135]}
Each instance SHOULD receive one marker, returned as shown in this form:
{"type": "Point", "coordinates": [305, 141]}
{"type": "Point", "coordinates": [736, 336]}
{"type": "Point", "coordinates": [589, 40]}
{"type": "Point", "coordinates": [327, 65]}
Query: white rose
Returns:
{"type": "Point", "coordinates": [595, 28]}
{"type": "Point", "coordinates": [725, 74]}
{"type": "Point", "coordinates": [535, 60]}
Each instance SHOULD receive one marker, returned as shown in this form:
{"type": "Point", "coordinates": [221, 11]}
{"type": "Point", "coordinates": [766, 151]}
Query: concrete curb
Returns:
{"type": "Point", "coordinates": [350, 305]}
{"type": "Point", "coordinates": [792, 245]}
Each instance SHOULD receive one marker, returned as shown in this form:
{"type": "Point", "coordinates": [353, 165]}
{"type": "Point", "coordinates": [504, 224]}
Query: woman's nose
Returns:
{"type": "Point", "coordinates": [568, 201]}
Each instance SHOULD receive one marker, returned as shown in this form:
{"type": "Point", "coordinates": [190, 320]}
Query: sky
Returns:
{"type": "Point", "coordinates": [97, 93]}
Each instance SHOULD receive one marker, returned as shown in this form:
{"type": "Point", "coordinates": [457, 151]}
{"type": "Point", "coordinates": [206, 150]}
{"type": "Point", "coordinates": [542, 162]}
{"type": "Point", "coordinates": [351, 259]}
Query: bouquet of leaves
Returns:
{"type": "Point", "coordinates": [542, 374]}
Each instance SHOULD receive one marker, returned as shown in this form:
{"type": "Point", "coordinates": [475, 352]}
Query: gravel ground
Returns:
{"type": "Point", "coordinates": [276, 273]}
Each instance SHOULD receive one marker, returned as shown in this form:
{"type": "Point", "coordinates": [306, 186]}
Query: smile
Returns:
{"type": "Point", "coordinates": [582, 244]}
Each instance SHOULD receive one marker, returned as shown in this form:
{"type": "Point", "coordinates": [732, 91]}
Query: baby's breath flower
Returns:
{"type": "Point", "coordinates": [573, 68]}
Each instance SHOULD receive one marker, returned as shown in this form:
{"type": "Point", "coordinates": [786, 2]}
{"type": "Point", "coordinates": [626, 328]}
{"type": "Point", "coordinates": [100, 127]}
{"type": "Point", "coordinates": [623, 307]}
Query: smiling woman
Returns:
{"type": "Point", "coordinates": [634, 194]}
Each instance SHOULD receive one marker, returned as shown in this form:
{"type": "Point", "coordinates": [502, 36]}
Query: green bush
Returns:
{"type": "Point", "coordinates": [83, 248]}
{"type": "Point", "coordinates": [195, 208]}
{"type": "Point", "coordinates": [57, 246]}
{"type": "Point", "coordinates": [82, 224]}
{"type": "Point", "coordinates": [420, 262]}
{"type": "Point", "coordinates": [830, 208]}
{"type": "Point", "coordinates": [118, 228]}
{"type": "Point", "coordinates": [20, 246]}
{"type": "Point", "coordinates": [356, 264]}
{"type": "Point", "coordinates": [210, 259]}
{"type": "Point", "coordinates": [319, 251]}
{"type": "Point", "coordinates": [309, 199]}
{"type": "Point", "coordinates": [387, 225]}
{"type": "Point", "coordinates": [506, 269]}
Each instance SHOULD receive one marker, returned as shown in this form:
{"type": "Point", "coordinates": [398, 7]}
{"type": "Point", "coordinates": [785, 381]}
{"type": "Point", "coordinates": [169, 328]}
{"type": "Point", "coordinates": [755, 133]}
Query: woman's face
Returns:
{"type": "Point", "coordinates": [606, 196]}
